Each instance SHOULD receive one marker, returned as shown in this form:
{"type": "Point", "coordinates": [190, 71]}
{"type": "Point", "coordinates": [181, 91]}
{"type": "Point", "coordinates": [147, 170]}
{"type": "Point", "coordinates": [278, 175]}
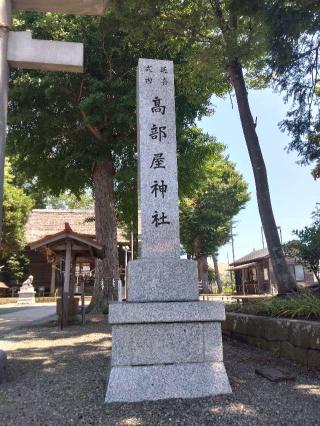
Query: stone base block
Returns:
{"type": "Point", "coordinates": [171, 343]}
{"type": "Point", "coordinates": [162, 280]}
{"type": "Point", "coordinates": [194, 380]}
{"type": "Point", "coordinates": [26, 298]}
{"type": "Point", "coordinates": [167, 312]}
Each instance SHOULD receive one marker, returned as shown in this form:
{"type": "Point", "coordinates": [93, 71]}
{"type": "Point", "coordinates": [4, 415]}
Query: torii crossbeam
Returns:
{"type": "Point", "coordinates": [19, 50]}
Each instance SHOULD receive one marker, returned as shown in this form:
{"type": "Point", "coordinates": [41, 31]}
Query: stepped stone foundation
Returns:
{"type": "Point", "coordinates": [166, 350]}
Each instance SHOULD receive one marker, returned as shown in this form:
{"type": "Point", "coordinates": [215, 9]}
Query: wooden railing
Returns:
{"type": "Point", "coordinates": [234, 297]}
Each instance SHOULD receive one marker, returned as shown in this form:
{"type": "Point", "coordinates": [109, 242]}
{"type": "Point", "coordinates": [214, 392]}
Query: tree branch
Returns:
{"type": "Point", "coordinates": [96, 132]}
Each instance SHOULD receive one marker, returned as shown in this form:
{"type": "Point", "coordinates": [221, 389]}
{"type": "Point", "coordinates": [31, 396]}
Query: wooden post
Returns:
{"type": "Point", "coordinates": [53, 279]}
{"type": "Point", "coordinates": [66, 284]}
{"type": "Point", "coordinates": [83, 310]}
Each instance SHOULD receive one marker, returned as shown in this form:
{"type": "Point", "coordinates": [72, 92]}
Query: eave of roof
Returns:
{"type": "Point", "coordinates": [251, 257]}
{"type": "Point", "coordinates": [64, 235]}
{"type": "Point", "coordinates": [243, 266]}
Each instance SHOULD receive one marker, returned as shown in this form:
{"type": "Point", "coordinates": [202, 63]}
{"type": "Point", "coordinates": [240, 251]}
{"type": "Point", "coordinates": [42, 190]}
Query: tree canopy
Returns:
{"type": "Point", "coordinates": [213, 198]}
{"type": "Point", "coordinates": [67, 200]}
{"type": "Point", "coordinates": [60, 123]}
{"type": "Point", "coordinates": [306, 249]}
{"type": "Point", "coordinates": [16, 206]}
{"type": "Point", "coordinates": [292, 62]}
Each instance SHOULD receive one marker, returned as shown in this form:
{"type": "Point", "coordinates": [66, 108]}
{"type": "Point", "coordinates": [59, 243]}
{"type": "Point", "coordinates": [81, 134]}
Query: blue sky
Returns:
{"type": "Point", "coordinates": [294, 192]}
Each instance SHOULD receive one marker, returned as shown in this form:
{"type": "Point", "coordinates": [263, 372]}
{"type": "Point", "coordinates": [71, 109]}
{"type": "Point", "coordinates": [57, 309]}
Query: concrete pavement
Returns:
{"type": "Point", "coordinates": [13, 316]}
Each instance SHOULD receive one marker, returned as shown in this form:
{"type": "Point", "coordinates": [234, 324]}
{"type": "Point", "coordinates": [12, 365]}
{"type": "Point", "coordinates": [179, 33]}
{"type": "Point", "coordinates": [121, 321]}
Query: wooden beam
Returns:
{"type": "Point", "coordinates": [66, 284]}
{"type": "Point", "coordinates": [25, 52]}
{"type": "Point", "coordinates": [53, 279]}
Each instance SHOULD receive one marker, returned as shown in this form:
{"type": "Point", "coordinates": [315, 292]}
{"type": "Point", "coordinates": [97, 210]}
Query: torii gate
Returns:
{"type": "Point", "coordinates": [17, 49]}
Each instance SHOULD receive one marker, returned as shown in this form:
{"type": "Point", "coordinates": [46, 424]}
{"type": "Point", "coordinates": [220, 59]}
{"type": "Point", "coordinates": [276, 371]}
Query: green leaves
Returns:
{"type": "Point", "coordinates": [293, 58]}
{"type": "Point", "coordinates": [306, 249]}
{"type": "Point", "coordinates": [60, 124]}
{"type": "Point", "coordinates": [212, 192]}
{"type": "Point", "coordinates": [303, 305]}
{"type": "Point", "coordinates": [16, 206]}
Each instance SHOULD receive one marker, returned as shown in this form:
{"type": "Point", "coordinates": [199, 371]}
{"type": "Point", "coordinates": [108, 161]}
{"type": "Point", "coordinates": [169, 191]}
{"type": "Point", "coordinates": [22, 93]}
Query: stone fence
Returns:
{"type": "Point", "coordinates": [296, 340]}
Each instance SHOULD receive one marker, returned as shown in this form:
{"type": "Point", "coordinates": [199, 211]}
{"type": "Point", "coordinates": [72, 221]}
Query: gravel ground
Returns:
{"type": "Point", "coordinates": [59, 378]}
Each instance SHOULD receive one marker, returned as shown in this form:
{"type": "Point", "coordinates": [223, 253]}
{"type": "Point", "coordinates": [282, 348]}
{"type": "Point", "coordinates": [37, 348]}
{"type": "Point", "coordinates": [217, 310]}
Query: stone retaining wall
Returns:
{"type": "Point", "coordinates": [296, 340]}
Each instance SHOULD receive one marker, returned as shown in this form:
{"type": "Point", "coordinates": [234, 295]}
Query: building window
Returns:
{"type": "Point", "coordinates": [265, 274]}
{"type": "Point", "coordinates": [299, 272]}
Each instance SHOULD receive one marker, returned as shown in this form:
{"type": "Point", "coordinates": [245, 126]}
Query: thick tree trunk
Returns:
{"type": "Point", "coordinates": [217, 273]}
{"type": "Point", "coordinates": [285, 281]}
{"type": "Point", "coordinates": [107, 270]}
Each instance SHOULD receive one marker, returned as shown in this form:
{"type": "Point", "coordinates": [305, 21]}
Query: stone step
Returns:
{"type": "Point", "coordinates": [158, 312]}
{"type": "Point", "coordinates": [189, 380]}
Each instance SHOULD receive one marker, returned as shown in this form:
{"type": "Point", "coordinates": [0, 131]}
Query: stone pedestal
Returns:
{"type": "Point", "coordinates": [164, 350]}
{"type": "Point", "coordinates": [27, 296]}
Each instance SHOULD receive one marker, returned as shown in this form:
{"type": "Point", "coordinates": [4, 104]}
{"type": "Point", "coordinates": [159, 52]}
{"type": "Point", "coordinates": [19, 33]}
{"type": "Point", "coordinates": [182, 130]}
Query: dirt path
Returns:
{"type": "Point", "coordinates": [59, 378]}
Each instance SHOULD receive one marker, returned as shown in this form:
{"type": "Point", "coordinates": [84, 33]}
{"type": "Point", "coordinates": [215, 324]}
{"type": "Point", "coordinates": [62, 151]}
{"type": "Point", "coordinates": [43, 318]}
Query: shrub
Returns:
{"type": "Point", "coordinates": [304, 305]}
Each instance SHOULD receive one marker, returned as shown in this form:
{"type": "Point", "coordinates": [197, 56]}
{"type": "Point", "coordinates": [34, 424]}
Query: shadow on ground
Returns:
{"type": "Point", "coordinates": [59, 378]}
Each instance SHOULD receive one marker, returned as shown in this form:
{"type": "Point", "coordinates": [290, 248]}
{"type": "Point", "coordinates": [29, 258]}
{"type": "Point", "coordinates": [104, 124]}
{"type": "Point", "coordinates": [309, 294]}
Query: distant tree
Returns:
{"type": "Point", "coordinates": [306, 250]}
{"type": "Point", "coordinates": [67, 200]}
{"type": "Point", "coordinates": [217, 273]}
{"type": "Point", "coordinates": [16, 206]}
{"type": "Point", "coordinates": [216, 193]}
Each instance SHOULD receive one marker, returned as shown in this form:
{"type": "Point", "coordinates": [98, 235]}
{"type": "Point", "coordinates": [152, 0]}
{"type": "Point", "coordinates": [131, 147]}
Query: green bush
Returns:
{"type": "Point", "coordinates": [304, 305]}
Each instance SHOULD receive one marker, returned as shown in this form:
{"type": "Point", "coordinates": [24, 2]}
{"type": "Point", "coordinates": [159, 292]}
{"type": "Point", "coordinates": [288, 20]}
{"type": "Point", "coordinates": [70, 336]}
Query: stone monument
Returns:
{"type": "Point", "coordinates": [165, 343]}
{"type": "Point", "coordinates": [27, 292]}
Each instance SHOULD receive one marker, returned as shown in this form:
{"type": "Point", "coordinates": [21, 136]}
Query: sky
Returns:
{"type": "Point", "coordinates": [293, 190]}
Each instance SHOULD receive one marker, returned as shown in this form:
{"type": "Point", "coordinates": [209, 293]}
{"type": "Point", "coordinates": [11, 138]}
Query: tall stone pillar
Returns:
{"type": "Point", "coordinates": [165, 343]}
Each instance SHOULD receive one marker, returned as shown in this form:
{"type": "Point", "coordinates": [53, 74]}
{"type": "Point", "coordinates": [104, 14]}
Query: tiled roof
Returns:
{"type": "Point", "coordinates": [42, 222]}
{"type": "Point", "coordinates": [252, 256]}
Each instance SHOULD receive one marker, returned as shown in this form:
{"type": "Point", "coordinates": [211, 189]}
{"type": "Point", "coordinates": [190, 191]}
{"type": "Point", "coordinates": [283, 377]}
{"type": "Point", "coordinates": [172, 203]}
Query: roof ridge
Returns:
{"type": "Point", "coordinates": [62, 210]}
{"type": "Point", "coordinates": [252, 255]}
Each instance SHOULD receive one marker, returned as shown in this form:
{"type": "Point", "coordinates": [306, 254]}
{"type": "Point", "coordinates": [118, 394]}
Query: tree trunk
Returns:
{"type": "Point", "coordinates": [217, 273]}
{"type": "Point", "coordinates": [107, 270]}
{"type": "Point", "coordinates": [202, 262]}
{"type": "Point", "coordinates": [316, 274]}
{"type": "Point", "coordinates": [285, 282]}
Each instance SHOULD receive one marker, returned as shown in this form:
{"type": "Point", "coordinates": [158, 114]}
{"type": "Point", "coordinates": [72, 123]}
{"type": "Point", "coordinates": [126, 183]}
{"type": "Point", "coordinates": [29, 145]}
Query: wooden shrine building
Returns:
{"type": "Point", "coordinates": [43, 226]}
{"type": "Point", "coordinates": [254, 273]}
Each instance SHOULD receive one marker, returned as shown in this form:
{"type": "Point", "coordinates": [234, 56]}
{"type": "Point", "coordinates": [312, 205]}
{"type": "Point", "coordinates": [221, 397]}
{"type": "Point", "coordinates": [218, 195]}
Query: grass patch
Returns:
{"type": "Point", "coordinates": [304, 305]}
